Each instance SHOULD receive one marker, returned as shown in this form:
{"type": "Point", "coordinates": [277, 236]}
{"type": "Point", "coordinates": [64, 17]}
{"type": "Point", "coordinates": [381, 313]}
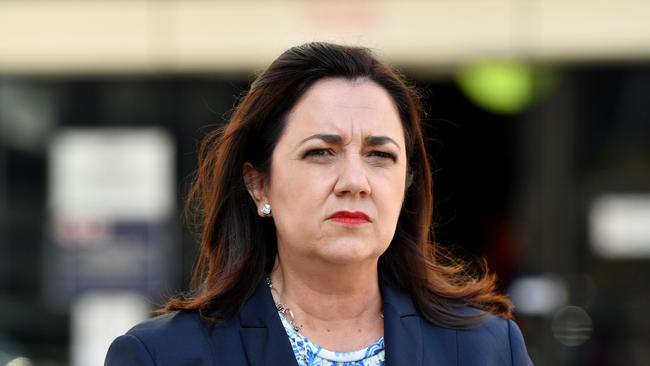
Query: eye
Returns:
{"type": "Point", "coordinates": [383, 155]}
{"type": "Point", "coordinates": [318, 153]}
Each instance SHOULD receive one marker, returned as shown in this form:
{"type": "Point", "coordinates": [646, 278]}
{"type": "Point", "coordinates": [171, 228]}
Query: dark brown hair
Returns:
{"type": "Point", "coordinates": [238, 248]}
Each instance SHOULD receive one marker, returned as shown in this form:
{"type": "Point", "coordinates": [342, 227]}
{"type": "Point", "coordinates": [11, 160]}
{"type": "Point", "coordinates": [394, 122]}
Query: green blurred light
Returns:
{"type": "Point", "coordinates": [504, 87]}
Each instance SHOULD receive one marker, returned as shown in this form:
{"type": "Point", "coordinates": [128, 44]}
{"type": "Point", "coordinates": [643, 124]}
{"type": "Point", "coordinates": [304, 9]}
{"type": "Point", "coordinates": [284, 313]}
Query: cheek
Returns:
{"type": "Point", "coordinates": [390, 203]}
{"type": "Point", "coordinates": [391, 183]}
{"type": "Point", "coordinates": [389, 198]}
{"type": "Point", "coordinates": [298, 212]}
{"type": "Point", "coordinates": [298, 194]}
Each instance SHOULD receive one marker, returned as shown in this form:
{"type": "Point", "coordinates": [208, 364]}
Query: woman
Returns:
{"type": "Point", "coordinates": [314, 204]}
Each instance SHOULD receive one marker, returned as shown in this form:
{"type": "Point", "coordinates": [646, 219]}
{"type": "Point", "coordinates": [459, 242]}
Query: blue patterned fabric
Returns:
{"type": "Point", "coordinates": [310, 354]}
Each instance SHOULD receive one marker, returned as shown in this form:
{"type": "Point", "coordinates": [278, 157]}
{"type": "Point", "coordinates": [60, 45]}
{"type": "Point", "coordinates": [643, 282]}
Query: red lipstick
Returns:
{"type": "Point", "coordinates": [350, 218]}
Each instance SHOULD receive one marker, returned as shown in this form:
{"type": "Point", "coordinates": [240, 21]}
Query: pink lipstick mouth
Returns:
{"type": "Point", "coordinates": [350, 218]}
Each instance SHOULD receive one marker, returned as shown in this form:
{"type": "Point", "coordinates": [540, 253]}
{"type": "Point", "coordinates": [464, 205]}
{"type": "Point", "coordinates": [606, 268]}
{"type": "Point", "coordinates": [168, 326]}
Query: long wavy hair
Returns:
{"type": "Point", "coordinates": [238, 248]}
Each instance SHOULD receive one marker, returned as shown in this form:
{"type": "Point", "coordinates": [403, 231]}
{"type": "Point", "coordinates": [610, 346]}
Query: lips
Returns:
{"type": "Point", "coordinates": [351, 218]}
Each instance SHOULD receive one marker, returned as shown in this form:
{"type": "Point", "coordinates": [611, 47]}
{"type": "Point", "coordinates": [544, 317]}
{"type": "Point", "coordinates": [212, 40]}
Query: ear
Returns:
{"type": "Point", "coordinates": [255, 184]}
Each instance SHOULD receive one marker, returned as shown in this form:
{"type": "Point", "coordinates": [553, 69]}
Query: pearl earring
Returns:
{"type": "Point", "coordinates": [266, 209]}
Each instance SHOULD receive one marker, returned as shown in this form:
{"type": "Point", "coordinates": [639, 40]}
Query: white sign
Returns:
{"type": "Point", "coordinates": [112, 174]}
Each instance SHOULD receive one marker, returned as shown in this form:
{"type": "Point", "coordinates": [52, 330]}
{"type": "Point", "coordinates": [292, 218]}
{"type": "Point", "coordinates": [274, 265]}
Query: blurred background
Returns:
{"type": "Point", "coordinates": [538, 114]}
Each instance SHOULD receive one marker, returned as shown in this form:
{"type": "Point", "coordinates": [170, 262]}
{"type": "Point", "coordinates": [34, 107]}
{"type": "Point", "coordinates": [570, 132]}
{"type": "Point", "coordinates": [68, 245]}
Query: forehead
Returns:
{"type": "Point", "coordinates": [350, 108]}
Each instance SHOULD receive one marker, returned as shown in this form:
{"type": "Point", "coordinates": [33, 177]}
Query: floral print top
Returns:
{"type": "Point", "coordinates": [310, 354]}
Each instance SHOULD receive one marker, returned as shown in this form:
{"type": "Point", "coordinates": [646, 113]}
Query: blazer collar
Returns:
{"type": "Point", "coordinates": [402, 333]}
{"type": "Point", "coordinates": [266, 343]}
{"type": "Point", "coordinates": [262, 333]}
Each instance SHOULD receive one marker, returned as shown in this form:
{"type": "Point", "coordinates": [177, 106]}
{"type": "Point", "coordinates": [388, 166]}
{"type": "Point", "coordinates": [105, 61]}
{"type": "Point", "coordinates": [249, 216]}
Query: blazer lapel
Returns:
{"type": "Point", "coordinates": [264, 338]}
{"type": "Point", "coordinates": [266, 343]}
{"type": "Point", "coordinates": [402, 332]}
{"type": "Point", "coordinates": [405, 337]}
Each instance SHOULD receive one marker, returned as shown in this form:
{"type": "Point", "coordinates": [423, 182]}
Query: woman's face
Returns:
{"type": "Point", "coordinates": [338, 173]}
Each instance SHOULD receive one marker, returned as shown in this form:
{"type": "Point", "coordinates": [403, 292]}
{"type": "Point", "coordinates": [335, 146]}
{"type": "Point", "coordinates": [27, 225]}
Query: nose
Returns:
{"type": "Point", "coordinates": [352, 177]}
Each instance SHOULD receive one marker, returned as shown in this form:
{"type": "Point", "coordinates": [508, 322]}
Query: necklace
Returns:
{"type": "Point", "coordinates": [282, 309]}
{"type": "Point", "coordinates": [285, 311]}
{"type": "Point", "coordinates": [288, 315]}
{"type": "Point", "coordinates": [304, 354]}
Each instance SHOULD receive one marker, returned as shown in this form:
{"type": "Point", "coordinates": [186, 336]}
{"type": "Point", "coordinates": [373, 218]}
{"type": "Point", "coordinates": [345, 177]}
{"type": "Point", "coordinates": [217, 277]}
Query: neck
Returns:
{"type": "Point", "coordinates": [329, 293]}
{"type": "Point", "coordinates": [337, 306]}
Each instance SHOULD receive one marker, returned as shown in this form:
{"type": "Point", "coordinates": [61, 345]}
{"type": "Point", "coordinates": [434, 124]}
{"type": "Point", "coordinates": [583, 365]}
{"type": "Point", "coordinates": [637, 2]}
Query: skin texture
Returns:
{"type": "Point", "coordinates": [326, 270]}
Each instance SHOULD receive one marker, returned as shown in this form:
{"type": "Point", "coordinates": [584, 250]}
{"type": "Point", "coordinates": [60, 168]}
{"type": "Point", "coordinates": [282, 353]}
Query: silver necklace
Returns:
{"type": "Point", "coordinates": [288, 315]}
{"type": "Point", "coordinates": [283, 309]}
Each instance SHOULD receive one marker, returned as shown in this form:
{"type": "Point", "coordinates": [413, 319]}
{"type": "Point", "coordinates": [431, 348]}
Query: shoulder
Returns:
{"type": "Point", "coordinates": [172, 325]}
{"type": "Point", "coordinates": [171, 337]}
{"type": "Point", "coordinates": [497, 338]}
{"type": "Point", "coordinates": [492, 341]}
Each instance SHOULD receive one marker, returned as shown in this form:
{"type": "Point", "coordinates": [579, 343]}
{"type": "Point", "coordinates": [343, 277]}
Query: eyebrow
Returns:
{"type": "Point", "coordinates": [334, 139]}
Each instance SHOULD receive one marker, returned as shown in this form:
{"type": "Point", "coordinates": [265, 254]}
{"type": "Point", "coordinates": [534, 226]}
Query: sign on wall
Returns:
{"type": "Point", "coordinates": [111, 205]}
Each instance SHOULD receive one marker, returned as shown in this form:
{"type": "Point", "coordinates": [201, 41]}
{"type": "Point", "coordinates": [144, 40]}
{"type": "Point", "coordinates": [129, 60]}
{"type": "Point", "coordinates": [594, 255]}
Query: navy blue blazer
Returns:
{"type": "Point", "coordinates": [256, 337]}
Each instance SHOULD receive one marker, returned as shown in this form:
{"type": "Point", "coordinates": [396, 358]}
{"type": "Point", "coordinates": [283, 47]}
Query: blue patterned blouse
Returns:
{"type": "Point", "coordinates": [309, 354]}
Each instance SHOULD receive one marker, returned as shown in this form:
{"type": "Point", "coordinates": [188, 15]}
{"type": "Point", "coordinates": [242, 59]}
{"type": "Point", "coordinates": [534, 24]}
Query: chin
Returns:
{"type": "Point", "coordinates": [349, 253]}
